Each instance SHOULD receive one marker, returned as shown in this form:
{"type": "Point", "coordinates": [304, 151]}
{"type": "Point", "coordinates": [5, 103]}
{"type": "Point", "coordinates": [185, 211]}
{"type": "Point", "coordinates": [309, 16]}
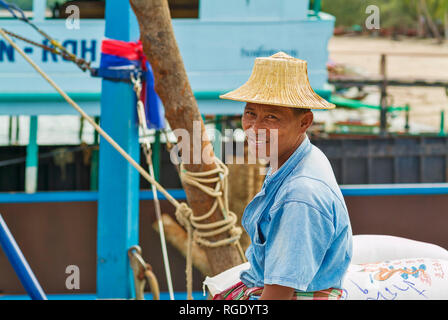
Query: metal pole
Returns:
{"type": "Point", "coordinates": [32, 156]}
{"type": "Point", "coordinates": [39, 7]}
{"type": "Point", "coordinates": [406, 125]}
{"type": "Point", "coordinates": [81, 129]}
{"type": "Point", "coordinates": [10, 130]}
{"type": "Point", "coordinates": [383, 103]}
{"type": "Point", "coordinates": [442, 123]}
{"type": "Point", "coordinates": [94, 160]}
{"type": "Point", "coordinates": [118, 187]}
{"type": "Point", "coordinates": [19, 263]}
{"type": "Point", "coordinates": [156, 155]}
{"type": "Point", "coordinates": [316, 7]}
{"type": "Point", "coordinates": [17, 130]}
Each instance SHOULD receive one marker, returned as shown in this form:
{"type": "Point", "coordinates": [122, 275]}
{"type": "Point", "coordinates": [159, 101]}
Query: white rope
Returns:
{"type": "Point", "coordinates": [197, 230]}
{"type": "Point", "coordinates": [148, 152]}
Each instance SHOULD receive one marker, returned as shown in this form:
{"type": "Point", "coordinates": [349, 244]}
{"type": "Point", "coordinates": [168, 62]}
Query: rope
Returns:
{"type": "Point", "coordinates": [148, 152]}
{"type": "Point", "coordinates": [81, 63]}
{"type": "Point", "coordinates": [142, 274]}
{"type": "Point", "coordinates": [205, 230]}
{"type": "Point", "coordinates": [197, 230]}
{"type": "Point", "coordinates": [197, 179]}
{"type": "Point", "coordinates": [58, 48]}
{"type": "Point", "coordinates": [42, 46]}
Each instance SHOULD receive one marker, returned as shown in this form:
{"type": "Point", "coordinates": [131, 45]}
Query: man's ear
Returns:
{"type": "Point", "coordinates": [307, 120]}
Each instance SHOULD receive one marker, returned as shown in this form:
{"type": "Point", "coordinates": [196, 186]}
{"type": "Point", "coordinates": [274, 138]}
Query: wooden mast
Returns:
{"type": "Point", "coordinates": [181, 109]}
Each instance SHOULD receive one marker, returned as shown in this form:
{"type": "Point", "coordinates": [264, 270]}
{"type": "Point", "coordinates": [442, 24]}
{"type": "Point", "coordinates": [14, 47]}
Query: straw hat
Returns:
{"type": "Point", "coordinates": [279, 80]}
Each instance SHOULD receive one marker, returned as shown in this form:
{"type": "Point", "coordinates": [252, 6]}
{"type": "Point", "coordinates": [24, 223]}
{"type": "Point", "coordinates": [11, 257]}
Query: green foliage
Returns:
{"type": "Point", "coordinates": [393, 13]}
{"type": "Point", "coordinates": [22, 4]}
{"type": "Point", "coordinates": [347, 12]}
{"type": "Point", "coordinates": [51, 3]}
{"type": "Point", "coordinates": [28, 4]}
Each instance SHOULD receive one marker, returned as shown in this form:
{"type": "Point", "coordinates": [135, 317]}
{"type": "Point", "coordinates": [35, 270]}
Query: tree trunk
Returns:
{"type": "Point", "coordinates": [446, 24]}
{"type": "Point", "coordinates": [181, 109]}
{"type": "Point", "coordinates": [420, 22]}
{"type": "Point", "coordinates": [431, 24]}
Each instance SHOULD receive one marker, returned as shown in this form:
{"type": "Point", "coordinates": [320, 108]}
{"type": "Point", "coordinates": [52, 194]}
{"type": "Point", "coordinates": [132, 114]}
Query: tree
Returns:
{"type": "Point", "coordinates": [22, 4]}
{"type": "Point", "coordinates": [398, 14]}
{"type": "Point", "coordinates": [429, 20]}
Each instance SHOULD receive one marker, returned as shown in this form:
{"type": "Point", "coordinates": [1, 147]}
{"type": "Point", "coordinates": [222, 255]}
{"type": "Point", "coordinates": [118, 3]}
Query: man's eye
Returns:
{"type": "Point", "coordinates": [250, 113]}
{"type": "Point", "coordinates": [272, 117]}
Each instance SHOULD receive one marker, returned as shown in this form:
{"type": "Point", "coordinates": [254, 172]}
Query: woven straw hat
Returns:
{"type": "Point", "coordinates": [279, 80]}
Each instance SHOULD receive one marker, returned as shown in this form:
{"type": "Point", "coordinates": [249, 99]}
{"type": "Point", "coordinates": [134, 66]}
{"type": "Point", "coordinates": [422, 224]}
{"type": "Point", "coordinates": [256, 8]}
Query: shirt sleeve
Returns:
{"type": "Point", "coordinates": [297, 240]}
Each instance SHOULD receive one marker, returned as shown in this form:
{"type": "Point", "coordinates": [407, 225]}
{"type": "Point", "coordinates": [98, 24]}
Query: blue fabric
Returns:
{"type": "Point", "coordinates": [155, 113]}
{"type": "Point", "coordinates": [112, 61]}
{"type": "Point", "coordinates": [299, 226]}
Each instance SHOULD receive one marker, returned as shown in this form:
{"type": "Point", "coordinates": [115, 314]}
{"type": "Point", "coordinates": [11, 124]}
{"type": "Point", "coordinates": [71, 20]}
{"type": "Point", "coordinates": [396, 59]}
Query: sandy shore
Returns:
{"type": "Point", "coordinates": [421, 59]}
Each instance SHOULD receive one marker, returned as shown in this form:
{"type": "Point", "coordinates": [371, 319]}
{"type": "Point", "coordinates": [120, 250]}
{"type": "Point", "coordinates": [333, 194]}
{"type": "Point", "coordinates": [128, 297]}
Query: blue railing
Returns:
{"type": "Point", "coordinates": [75, 196]}
{"type": "Point", "coordinates": [19, 263]}
{"type": "Point", "coordinates": [399, 189]}
{"type": "Point", "coordinates": [179, 194]}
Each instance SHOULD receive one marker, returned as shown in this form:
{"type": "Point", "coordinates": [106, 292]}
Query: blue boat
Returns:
{"type": "Point", "coordinates": [93, 229]}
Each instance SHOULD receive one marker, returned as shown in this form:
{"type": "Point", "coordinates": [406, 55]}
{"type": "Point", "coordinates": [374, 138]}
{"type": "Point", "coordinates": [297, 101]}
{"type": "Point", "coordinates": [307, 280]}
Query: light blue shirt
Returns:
{"type": "Point", "coordinates": [299, 226]}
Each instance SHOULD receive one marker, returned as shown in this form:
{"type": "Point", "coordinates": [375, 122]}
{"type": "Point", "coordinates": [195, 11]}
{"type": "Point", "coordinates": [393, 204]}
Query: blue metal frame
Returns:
{"type": "Point", "coordinates": [76, 196]}
{"type": "Point", "coordinates": [414, 189]}
{"type": "Point", "coordinates": [118, 195]}
{"type": "Point", "coordinates": [197, 295]}
{"type": "Point", "coordinates": [19, 263]}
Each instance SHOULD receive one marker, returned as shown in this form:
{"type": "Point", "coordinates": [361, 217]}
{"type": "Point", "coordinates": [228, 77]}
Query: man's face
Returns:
{"type": "Point", "coordinates": [262, 122]}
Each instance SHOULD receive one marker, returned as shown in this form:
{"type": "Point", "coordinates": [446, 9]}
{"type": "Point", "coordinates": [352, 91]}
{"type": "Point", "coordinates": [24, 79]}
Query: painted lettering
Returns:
{"type": "Point", "coordinates": [71, 46]}
{"type": "Point", "coordinates": [264, 52]}
{"type": "Point", "coordinates": [91, 50]}
{"type": "Point", "coordinates": [6, 50]}
{"type": "Point", "coordinates": [45, 53]}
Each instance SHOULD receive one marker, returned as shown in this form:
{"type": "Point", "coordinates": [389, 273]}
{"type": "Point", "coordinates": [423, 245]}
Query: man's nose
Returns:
{"type": "Point", "coordinates": [258, 125]}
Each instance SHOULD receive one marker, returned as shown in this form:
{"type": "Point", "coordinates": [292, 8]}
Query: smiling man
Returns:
{"type": "Point", "coordinates": [301, 238]}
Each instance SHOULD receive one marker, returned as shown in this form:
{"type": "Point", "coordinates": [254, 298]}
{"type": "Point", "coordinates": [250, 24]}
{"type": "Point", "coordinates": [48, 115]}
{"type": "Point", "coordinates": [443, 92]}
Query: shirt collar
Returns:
{"type": "Point", "coordinates": [291, 163]}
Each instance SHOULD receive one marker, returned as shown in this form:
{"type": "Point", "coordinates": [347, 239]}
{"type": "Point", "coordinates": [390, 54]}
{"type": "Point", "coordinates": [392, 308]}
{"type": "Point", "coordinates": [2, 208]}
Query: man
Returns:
{"type": "Point", "coordinates": [301, 238]}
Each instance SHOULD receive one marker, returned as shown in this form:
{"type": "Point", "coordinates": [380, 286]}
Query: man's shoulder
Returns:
{"type": "Point", "coordinates": [304, 186]}
{"type": "Point", "coordinates": [314, 174]}
{"type": "Point", "coordinates": [311, 190]}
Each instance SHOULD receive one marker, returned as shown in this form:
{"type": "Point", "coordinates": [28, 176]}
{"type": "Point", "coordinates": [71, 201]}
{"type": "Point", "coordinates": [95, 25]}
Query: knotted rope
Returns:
{"type": "Point", "coordinates": [197, 229]}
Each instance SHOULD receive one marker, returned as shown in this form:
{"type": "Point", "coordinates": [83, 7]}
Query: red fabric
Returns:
{"type": "Point", "coordinates": [130, 51]}
{"type": "Point", "coordinates": [240, 292]}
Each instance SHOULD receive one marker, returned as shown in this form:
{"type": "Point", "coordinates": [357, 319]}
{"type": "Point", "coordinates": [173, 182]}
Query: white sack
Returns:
{"type": "Point", "coordinates": [375, 248]}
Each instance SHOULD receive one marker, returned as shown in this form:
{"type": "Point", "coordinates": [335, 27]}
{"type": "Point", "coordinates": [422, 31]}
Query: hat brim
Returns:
{"type": "Point", "coordinates": [324, 105]}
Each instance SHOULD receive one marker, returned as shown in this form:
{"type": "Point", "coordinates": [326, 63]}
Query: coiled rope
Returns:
{"type": "Point", "coordinates": [197, 229]}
